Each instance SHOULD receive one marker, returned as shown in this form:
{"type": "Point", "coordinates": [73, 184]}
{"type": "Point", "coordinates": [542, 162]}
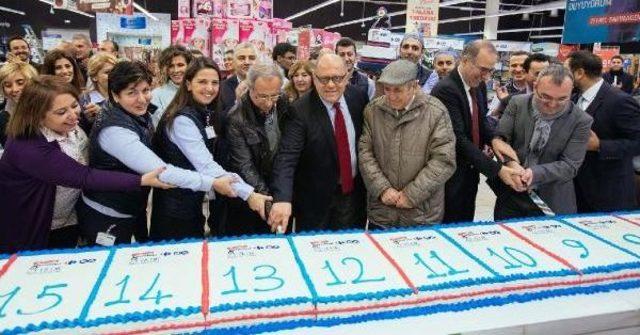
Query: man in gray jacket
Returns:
{"type": "Point", "coordinates": [545, 134]}
{"type": "Point", "coordinates": [406, 151]}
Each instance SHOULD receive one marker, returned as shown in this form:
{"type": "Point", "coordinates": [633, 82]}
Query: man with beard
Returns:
{"type": "Point", "coordinates": [19, 48]}
{"type": "Point", "coordinates": [617, 77]}
{"type": "Point", "coordinates": [549, 134]}
{"type": "Point", "coordinates": [412, 49]}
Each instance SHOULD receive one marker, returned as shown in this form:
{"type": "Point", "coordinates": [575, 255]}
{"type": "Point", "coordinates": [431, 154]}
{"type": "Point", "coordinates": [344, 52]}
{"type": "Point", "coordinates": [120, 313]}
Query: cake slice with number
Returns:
{"type": "Point", "coordinates": [256, 281]}
{"type": "Point", "coordinates": [150, 289]}
{"type": "Point", "coordinates": [47, 292]}
{"type": "Point", "coordinates": [349, 274]}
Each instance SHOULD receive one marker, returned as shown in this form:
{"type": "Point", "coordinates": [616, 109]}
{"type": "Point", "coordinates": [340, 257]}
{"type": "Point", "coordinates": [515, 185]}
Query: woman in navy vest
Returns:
{"type": "Point", "coordinates": [121, 141]}
{"type": "Point", "coordinates": [34, 164]}
{"type": "Point", "coordinates": [185, 138]}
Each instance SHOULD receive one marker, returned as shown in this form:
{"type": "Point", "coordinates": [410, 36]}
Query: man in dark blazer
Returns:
{"type": "Point", "coordinates": [464, 93]}
{"type": "Point", "coordinates": [315, 169]}
{"type": "Point", "coordinates": [605, 181]}
{"type": "Point", "coordinates": [244, 56]}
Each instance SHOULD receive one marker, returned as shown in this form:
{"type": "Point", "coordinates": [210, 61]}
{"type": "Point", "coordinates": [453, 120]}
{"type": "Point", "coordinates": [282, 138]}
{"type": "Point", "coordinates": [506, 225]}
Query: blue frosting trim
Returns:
{"type": "Point", "coordinates": [303, 270]}
{"type": "Point", "coordinates": [428, 310]}
{"type": "Point", "coordinates": [466, 252]}
{"type": "Point", "coordinates": [96, 286]}
{"type": "Point", "coordinates": [601, 239]}
{"type": "Point", "coordinates": [260, 304]}
{"type": "Point", "coordinates": [143, 316]}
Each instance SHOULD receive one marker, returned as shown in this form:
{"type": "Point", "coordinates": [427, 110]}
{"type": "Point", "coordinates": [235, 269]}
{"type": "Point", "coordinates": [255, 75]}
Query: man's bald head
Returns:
{"type": "Point", "coordinates": [330, 77]}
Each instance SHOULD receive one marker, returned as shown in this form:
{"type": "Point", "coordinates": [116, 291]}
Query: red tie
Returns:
{"type": "Point", "coordinates": [475, 121]}
{"type": "Point", "coordinates": [344, 153]}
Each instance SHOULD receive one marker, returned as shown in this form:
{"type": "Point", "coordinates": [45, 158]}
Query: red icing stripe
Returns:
{"type": "Point", "coordinates": [7, 265]}
{"type": "Point", "coordinates": [393, 262]}
{"type": "Point", "coordinates": [541, 248]}
{"type": "Point", "coordinates": [628, 220]}
{"type": "Point", "coordinates": [416, 301]}
{"type": "Point", "coordinates": [204, 303]}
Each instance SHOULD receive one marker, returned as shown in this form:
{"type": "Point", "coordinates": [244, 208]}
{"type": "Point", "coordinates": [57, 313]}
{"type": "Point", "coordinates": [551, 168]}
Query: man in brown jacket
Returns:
{"type": "Point", "coordinates": [406, 151]}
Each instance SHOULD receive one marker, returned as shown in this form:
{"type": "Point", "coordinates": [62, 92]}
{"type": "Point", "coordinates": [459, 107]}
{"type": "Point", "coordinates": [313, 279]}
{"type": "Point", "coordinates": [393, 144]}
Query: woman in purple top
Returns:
{"type": "Point", "coordinates": [32, 167]}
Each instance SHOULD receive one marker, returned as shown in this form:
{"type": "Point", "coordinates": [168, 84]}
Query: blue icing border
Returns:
{"type": "Point", "coordinates": [303, 270]}
{"type": "Point", "coordinates": [599, 238]}
{"type": "Point", "coordinates": [96, 287]}
{"type": "Point", "coordinates": [427, 310]}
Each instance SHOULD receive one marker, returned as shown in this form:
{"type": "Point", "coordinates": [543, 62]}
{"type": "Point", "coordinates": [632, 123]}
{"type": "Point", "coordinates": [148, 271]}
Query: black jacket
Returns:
{"type": "Point", "coordinates": [227, 95]}
{"type": "Point", "coordinates": [605, 181]}
{"type": "Point", "coordinates": [450, 90]}
{"type": "Point", "coordinates": [249, 153]}
{"type": "Point", "coordinates": [623, 78]}
{"type": "Point", "coordinates": [305, 169]}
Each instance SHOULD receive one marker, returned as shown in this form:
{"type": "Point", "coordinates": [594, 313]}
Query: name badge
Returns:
{"type": "Point", "coordinates": [105, 239]}
{"type": "Point", "coordinates": [210, 132]}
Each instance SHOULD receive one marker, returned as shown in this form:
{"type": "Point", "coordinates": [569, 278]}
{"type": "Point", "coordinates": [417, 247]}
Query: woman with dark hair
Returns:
{"type": "Point", "coordinates": [173, 63]}
{"type": "Point", "coordinates": [121, 141]}
{"type": "Point", "coordinates": [186, 137]}
{"type": "Point", "coordinates": [35, 161]}
{"type": "Point", "coordinates": [61, 64]}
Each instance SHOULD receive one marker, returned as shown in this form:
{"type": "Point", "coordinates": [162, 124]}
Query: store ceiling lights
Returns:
{"type": "Point", "coordinates": [311, 9]}
{"type": "Point", "coordinates": [50, 3]}
{"type": "Point", "coordinates": [504, 31]}
{"type": "Point", "coordinates": [533, 9]}
{"type": "Point", "coordinates": [11, 10]}
{"type": "Point", "coordinates": [402, 12]}
{"type": "Point", "coordinates": [144, 11]}
{"type": "Point", "coordinates": [540, 37]}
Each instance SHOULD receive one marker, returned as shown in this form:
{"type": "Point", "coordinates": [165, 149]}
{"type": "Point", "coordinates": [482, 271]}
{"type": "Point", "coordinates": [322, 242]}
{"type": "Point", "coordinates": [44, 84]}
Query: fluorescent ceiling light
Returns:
{"type": "Point", "coordinates": [402, 12]}
{"type": "Point", "coordinates": [144, 11]}
{"type": "Point", "coordinates": [311, 9]}
{"type": "Point", "coordinates": [539, 37]}
{"type": "Point", "coordinates": [514, 30]}
{"type": "Point", "coordinates": [11, 10]}
{"type": "Point", "coordinates": [534, 9]}
{"type": "Point", "coordinates": [49, 2]}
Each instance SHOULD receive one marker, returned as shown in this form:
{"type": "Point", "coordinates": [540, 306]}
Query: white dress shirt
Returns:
{"type": "Point", "coordinates": [589, 95]}
{"type": "Point", "coordinates": [466, 91]}
{"type": "Point", "coordinates": [351, 131]}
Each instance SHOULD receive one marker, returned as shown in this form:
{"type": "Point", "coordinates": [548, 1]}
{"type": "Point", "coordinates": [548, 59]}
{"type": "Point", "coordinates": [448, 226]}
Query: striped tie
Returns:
{"type": "Point", "coordinates": [541, 204]}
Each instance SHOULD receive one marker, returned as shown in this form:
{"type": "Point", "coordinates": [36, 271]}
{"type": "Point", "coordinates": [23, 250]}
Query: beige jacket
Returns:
{"type": "Point", "coordinates": [412, 151]}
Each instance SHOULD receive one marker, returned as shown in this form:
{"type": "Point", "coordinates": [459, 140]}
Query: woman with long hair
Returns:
{"type": "Point", "coordinates": [62, 64]}
{"type": "Point", "coordinates": [36, 160]}
{"type": "Point", "coordinates": [121, 140]}
{"type": "Point", "coordinates": [299, 80]}
{"type": "Point", "coordinates": [173, 63]}
{"type": "Point", "coordinates": [186, 138]}
{"type": "Point", "coordinates": [13, 77]}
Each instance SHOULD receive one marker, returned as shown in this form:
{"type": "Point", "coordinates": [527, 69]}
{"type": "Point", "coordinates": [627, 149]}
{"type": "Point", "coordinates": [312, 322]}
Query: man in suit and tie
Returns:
{"type": "Point", "coordinates": [605, 181]}
{"type": "Point", "coordinates": [315, 170]}
{"type": "Point", "coordinates": [464, 93]}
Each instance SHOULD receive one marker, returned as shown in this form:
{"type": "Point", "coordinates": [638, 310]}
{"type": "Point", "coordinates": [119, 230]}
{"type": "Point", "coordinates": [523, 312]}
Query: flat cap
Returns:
{"type": "Point", "coordinates": [399, 72]}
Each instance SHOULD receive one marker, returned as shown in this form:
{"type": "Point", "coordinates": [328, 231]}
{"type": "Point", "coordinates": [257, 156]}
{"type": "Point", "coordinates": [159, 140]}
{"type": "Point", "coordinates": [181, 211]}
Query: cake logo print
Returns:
{"type": "Point", "coordinates": [174, 253]}
{"type": "Point", "coordinates": [145, 257]}
{"type": "Point", "coordinates": [597, 224]}
{"type": "Point", "coordinates": [45, 267]}
{"type": "Point", "coordinates": [541, 229]}
{"type": "Point", "coordinates": [477, 236]}
{"type": "Point", "coordinates": [330, 246]}
{"type": "Point", "coordinates": [243, 250]}
{"type": "Point", "coordinates": [405, 241]}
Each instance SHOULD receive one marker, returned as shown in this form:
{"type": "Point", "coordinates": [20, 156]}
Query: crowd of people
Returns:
{"type": "Point", "coordinates": [100, 150]}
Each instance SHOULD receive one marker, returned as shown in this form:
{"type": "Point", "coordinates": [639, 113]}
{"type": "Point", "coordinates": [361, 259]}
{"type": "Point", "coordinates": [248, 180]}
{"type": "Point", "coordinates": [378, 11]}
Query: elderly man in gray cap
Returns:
{"type": "Point", "coordinates": [406, 151]}
{"type": "Point", "coordinates": [412, 49]}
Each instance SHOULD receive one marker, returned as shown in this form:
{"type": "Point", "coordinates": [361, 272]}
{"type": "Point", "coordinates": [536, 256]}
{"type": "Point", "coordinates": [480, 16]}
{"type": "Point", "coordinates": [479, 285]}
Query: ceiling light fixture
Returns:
{"type": "Point", "coordinates": [534, 9]}
{"type": "Point", "coordinates": [144, 11]}
{"type": "Point", "coordinates": [540, 37]}
{"type": "Point", "coordinates": [402, 12]}
{"type": "Point", "coordinates": [311, 9]}
{"type": "Point", "coordinates": [514, 30]}
{"type": "Point", "coordinates": [11, 10]}
{"type": "Point", "coordinates": [49, 2]}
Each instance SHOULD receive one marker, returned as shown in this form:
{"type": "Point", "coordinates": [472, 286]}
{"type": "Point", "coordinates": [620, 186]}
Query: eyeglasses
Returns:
{"type": "Point", "coordinates": [335, 79]}
{"type": "Point", "coordinates": [267, 98]}
{"type": "Point", "coordinates": [548, 100]}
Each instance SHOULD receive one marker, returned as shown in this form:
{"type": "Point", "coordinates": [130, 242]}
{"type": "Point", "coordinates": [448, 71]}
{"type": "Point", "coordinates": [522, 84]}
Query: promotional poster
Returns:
{"type": "Point", "coordinates": [590, 21]}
